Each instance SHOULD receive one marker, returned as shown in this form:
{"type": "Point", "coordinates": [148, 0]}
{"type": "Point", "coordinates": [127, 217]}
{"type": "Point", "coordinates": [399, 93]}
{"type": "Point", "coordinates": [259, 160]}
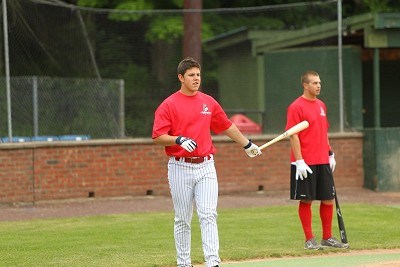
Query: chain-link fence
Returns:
{"type": "Point", "coordinates": [79, 55]}
{"type": "Point", "coordinates": [44, 106]}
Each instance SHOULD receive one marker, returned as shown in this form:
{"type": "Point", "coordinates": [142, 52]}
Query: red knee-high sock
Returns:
{"type": "Point", "coordinates": [305, 215]}
{"type": "Point", "coordinates": [326, 214]}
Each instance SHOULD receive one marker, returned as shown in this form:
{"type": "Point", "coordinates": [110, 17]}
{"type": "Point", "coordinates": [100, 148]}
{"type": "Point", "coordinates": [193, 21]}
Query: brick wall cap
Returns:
{"type": "Point", "coordinates": [146, 141]}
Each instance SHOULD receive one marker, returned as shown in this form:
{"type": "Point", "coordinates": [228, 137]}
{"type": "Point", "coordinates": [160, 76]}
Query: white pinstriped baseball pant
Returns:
{"type": "Point", "coordinates": [194, 184]}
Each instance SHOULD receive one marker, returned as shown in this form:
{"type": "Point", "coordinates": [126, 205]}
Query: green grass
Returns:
{"type": "Point", "coordinates": [146, 239]}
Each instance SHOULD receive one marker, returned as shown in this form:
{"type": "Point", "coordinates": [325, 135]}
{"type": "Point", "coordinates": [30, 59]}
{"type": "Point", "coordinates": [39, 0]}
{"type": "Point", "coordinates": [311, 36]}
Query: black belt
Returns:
{"type": "Point", "coordinates": [195, 160]}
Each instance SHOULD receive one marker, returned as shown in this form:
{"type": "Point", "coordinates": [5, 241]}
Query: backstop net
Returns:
{"type": "Point", "coordinates": [102, 72]}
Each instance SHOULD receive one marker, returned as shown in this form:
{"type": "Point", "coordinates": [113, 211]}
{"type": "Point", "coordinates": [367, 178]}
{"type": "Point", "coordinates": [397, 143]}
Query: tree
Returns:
{"type": "Point", "coordinates": [192, 30]}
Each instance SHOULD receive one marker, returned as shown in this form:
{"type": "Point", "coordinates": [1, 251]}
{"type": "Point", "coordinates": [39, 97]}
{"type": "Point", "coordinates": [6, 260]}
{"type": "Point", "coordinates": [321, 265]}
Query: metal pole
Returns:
{"type": "Point", "coordinates": [122, 109]}
{"type": "Point", "coordinates": [340, 65]}
{"type": "Point", "coordinates": [377, 95]}
{"type": "Point", "coordinates": [7, 68]}
{"type": "Point", "coordinates": [35, 106]}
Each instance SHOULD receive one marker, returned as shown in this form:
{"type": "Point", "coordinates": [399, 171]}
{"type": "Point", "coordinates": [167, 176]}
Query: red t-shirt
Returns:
{"type": "Point", "coordinates": [314, 139]}
{"type": "Point", "coordinates": [192, 117]}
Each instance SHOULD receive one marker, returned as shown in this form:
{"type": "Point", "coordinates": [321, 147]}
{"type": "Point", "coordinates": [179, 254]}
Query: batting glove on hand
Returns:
{"type": "Point", "coordinates": [252, 150]}
{"type": "Point", "coordinates": [187, 143]}
{"type": "Point", "coordinates": [332, 162]}
{"type": "Point", "coordinates": [302, 169]}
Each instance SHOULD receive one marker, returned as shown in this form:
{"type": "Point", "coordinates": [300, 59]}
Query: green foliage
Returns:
{"type": "Point", "coordinates": [178, 3]}
{"type": "Point", "coordinates": [169, 29]}
{"type": "Point", "coordinates": [378, 5]}
{"type": "Point", "coordinates": [131, 5]}
{"type": "Point", "coordinates": [166, 29]}
{"type": "Point", "coordinates": [93, 3]}
{"type": "Point", "coordinates": [351, 8]}
{"type": "Point", "coordinates": [135, 5]}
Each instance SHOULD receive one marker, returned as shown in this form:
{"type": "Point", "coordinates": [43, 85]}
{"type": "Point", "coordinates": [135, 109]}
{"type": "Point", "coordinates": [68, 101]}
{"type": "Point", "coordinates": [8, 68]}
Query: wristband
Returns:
{"type": "Point", "coordinates": [330, 153]}
{"type": "Point", "coordinates": [178, 140]}
{"type": "Point", "coordinates": [248, 145]}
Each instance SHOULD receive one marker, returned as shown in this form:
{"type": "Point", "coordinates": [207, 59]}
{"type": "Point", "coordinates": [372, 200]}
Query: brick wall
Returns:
{"type": "Point", "coordinates": [106, 168]}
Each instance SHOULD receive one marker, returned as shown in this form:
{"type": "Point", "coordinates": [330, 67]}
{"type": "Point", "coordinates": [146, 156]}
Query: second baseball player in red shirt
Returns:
{"type": "Point", "coordinates": [182, 124]}
{"type": "Point", "coordinates": [313, 162]}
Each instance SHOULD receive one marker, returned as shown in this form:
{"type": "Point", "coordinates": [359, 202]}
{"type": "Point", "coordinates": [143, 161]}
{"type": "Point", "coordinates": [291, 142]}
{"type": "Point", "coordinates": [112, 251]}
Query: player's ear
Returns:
{"type": "Point", "coordinates": [181, 78]}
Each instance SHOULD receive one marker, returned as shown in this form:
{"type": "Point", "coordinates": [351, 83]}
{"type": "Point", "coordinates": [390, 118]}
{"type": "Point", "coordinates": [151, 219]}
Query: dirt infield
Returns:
{"type": "Point", "coordinates": [128, 204]}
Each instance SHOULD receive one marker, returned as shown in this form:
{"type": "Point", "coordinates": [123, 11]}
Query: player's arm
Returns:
{"type": "Point", "coordinates": [329, 147]}
{"type": "Point", "coordinates": [301, 166]}
{"type": "Point", "coordinates": [165, 140]}
{"type": "Point", "coordinates": [169, 140]}
{"type": "Point", "coordinates": [234, 133]}
{"type": "Point", "coordinates": [332, 161]}
{"type": "Point", "coordinates": [296, 147]}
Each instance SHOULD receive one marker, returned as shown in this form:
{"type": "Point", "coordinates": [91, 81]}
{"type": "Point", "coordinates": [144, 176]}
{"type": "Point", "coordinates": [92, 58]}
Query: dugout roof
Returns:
{"type": "Point", "coordinates": [380, 30]}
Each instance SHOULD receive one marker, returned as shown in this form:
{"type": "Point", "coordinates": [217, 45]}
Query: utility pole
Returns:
{"type": "Point", "coordinates": [192, 19]}
{"type": "Point", "coordinates": [340, 66]}
{"type": "Point", "coordinates": [7, 68]}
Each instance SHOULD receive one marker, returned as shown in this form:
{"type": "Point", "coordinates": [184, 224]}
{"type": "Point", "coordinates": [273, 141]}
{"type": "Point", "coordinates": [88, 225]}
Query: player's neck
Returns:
{"type": "Point", "coordinates": [187, 92]}
{"type": "Point", "coordinates": [309, 97]}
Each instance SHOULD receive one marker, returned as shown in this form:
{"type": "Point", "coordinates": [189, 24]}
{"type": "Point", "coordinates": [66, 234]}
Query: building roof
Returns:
{"type": "Point", "coordinates": [262, 40]}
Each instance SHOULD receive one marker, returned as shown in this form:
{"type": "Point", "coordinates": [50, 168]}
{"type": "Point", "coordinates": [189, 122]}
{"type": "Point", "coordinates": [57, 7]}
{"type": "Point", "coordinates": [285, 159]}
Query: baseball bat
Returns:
{"type": "Point", "coordinates": [342, 229]}
{"type": "Point", "coordinates": [295, 129]}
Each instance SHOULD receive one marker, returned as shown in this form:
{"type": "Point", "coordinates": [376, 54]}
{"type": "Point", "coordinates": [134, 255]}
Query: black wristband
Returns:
{"type": "Point", "coordinates": [248, 145]}
{"type": "Point", "coordinates": [330, 153]}
{"type": "Point", "coordinates": [178, 140]}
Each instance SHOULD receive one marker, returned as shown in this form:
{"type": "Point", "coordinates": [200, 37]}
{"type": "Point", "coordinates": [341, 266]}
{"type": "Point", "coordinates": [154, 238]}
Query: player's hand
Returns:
{"type": "Point", "coordinates": [332, 162]}
{"type": "Point", "coordinates": [302, 169]}
{"type": "Point", "coordinates": [252, 150]}
{"type": "Point", "coordinates": [187, 143]}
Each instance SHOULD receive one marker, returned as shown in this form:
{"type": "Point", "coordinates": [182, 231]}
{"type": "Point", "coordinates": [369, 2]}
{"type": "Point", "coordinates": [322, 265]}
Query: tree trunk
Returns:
{"type": "Point", "coordinates": [192, 29]}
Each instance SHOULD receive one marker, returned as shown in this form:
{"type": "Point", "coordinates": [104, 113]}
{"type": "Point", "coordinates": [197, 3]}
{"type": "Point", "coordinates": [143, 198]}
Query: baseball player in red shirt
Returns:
{"type": "Point", "coordinates": [312, 162]}
{"type": "Point", "coordinates": [183, 123]}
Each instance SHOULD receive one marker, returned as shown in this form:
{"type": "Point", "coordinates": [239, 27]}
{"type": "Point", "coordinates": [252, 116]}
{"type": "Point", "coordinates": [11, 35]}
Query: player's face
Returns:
{"type": "Point", "coordinates": [190, 81]}
{"type": "Point", "coordinates": [313, 87]}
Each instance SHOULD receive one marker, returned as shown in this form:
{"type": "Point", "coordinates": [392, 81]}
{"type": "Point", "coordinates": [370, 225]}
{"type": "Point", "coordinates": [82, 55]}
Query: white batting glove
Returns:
{"type": "Point", "coordinates": [252, 150]}
{"type": "Point", "coordinates": [302, 169]}
{"type": "Point", "coordinates": [332, 162]}
{"type": "Point", "coordinates": [187, 143]}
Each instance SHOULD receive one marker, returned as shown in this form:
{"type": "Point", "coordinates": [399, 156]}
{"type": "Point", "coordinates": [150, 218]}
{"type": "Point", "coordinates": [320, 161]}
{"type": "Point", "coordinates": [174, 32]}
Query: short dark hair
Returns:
{"type": "Point", "coordinates": [186, 64]}
{"type": "Point", "coordinates": [305, 75]}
